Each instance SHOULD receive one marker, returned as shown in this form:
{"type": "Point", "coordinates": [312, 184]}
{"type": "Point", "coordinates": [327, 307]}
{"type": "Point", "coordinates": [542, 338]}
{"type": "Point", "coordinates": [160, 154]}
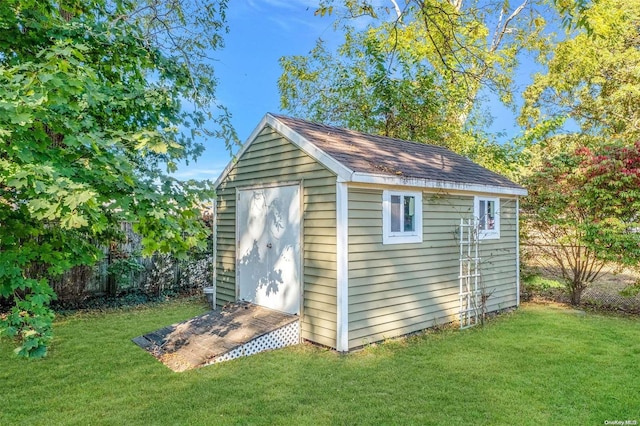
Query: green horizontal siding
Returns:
{"type": "Point", "coordinates": [402, 288]}
{"type": "Point", "coordinates": [498, 267]}
{"type": "Point", "coordinates": [272, 159]}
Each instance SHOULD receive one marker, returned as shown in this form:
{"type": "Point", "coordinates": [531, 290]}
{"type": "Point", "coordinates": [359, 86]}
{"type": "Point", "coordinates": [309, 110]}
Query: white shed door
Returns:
{"type": "Point", "coordinates": [268, 255]}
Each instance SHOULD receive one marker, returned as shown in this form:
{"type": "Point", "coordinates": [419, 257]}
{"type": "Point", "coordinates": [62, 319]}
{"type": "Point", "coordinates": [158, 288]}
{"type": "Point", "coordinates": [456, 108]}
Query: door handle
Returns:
{"type": "Point", "coordinates": [269, 245]}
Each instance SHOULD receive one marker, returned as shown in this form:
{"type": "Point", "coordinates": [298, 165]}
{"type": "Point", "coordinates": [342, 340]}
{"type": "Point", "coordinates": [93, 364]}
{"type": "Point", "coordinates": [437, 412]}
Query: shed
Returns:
{"type": "Point", "coordinates": [364, 237]}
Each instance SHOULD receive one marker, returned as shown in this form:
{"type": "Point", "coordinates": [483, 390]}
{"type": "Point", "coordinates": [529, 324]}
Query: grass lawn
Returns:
{"type": "Point", "coordinates": [543, 364]}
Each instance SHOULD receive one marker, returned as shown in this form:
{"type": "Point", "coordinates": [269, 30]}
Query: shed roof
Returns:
{"type": "Point", "coordinates": [361, 157]}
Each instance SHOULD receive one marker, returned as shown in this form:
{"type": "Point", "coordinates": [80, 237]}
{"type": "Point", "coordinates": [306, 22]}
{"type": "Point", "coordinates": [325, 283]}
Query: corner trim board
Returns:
{"type": "Point", "coordinates": [517, 252]}
{"type": "Point", "coordinates": [214, 231]}
{"type": "Point", "coordinates": [342, 266]}
{"type": "Point", "coordinates": [236, 243]}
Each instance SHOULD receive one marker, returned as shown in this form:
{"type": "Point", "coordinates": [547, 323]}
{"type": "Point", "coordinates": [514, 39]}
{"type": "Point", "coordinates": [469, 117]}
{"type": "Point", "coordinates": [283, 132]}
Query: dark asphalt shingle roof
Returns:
{"type": "Point", "coordinates": [381, 155]}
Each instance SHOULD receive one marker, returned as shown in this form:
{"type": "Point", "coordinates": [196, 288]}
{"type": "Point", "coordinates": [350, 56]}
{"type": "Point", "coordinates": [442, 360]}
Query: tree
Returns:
{"type": "Point", "coordinates": [356, 89]}
{"type": "Point", "coordinates": [587, 97]}
{"type": "Point", "coordinates": [592, 79]}
{"type": "Point", "coordinates": [99, 100]}
{"type": "Point", "coordinates": [416, 71]}
{"type": "Point", "coordinates": [582, 212]}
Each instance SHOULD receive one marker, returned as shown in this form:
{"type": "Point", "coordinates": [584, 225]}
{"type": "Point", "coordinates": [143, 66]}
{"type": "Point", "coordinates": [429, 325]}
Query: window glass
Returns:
{"type": "Point", "coordinates": [487, 212]}
{"type": "Point", "coordinates": [482, 214]}
{"type": "Point", "coordinates": [401, 217]}
{"type": "Point", "coordinates": [491, 210]}
{"type": "Point", "coordinates": [395, 213]}
{"type": "Point", "coordinates": [409, 213]}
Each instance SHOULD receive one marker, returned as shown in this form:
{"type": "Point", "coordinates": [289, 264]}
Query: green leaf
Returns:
{"type": "Point", "coordinates": [73, 221]}
{"type": "Point", "coordinates": [90, 112]}
{"type": "Point", "coordinates": [78, 198]}
{"type": "Point", "coordinates": [21, 119]}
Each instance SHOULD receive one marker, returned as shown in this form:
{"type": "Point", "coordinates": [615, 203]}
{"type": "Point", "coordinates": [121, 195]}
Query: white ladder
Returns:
{"type": "Point", "coordinates": [470, 294]}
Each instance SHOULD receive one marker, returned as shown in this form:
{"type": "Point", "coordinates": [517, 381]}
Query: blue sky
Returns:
{"type": "Point", "coordinates": [262, 31]}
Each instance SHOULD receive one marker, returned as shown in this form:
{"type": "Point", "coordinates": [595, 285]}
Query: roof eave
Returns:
{"type": "Point", "coordinates": [343, 173]}
{"type": "Point", "coordinates": [340, 170]}
{"type": "Point", "coordinates": [252, 137]}
{"type": "Point", "coordinates": [377, 179]}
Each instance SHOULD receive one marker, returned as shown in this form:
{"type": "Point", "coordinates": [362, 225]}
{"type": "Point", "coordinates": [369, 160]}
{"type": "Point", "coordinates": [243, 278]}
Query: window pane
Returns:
{"type": "Point", "coordinates": [482, 215]}
{"type": "Point", "coordinates": [409, 214]}
{"type": "Point", "coordinates": [395, 213]}
{"type": "Point", "coordinates": [491, 210]}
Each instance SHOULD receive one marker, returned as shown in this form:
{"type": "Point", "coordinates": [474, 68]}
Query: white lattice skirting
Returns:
{"type": "Point", "coordinates": [288, 335]}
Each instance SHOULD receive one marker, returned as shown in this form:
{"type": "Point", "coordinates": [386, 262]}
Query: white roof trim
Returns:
{"type": "Point", "coordinates": [347, 175]}
{"type": "Point", "coordinates": [343, 173]}
{"type": "Point", "coordinates": [368, 178]}
{"type": "Point", "coordinates": [243, 149]}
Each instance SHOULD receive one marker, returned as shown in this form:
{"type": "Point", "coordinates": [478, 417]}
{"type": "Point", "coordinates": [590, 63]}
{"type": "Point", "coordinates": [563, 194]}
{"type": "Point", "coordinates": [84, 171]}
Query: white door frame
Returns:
{"type": "Point", "coordinates": [300, 263]}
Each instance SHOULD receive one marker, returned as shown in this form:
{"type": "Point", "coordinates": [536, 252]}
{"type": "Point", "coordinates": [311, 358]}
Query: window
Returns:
{"type": "Point", "coordinates": [487, 211]}
{"type": "Point", "coordinates": [401, 217]}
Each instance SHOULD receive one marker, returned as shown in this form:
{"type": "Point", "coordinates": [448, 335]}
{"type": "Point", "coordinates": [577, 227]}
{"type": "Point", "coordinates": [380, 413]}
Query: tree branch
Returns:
{"type": "Point", "coordinates": [501, 31]}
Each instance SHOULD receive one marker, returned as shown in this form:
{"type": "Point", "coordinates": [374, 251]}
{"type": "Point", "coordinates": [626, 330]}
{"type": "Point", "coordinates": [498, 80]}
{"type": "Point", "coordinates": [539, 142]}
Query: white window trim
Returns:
{"type": "Point", "coordinates": [493, 234]}
{"type": "Point", "coordinates": [402, 237]}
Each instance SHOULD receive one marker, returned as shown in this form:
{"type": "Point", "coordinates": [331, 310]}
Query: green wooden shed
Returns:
{"type": "Point", "coordinates": [364, 237]}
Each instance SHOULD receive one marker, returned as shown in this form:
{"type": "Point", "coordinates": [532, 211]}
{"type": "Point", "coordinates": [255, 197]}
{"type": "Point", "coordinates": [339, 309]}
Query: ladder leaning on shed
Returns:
{"type": "Point", "coordinates": [470, 293]}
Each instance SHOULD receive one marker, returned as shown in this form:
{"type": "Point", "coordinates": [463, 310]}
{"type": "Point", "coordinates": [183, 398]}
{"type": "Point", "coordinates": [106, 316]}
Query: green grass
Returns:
{"type": "Point", "coordinates": [541, 283]}
{"type": "Point", "coordinates": [539, 365]}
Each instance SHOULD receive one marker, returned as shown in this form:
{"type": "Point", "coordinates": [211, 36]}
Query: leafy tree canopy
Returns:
{"type": "Point", "coordinates": [592, 77]}
{"type": "Point", "coordinates": [99, 100]}
{"type": "Point", "coordinates": [415, 70]}
{"type": "Point", "coordinates": [582, 211]}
